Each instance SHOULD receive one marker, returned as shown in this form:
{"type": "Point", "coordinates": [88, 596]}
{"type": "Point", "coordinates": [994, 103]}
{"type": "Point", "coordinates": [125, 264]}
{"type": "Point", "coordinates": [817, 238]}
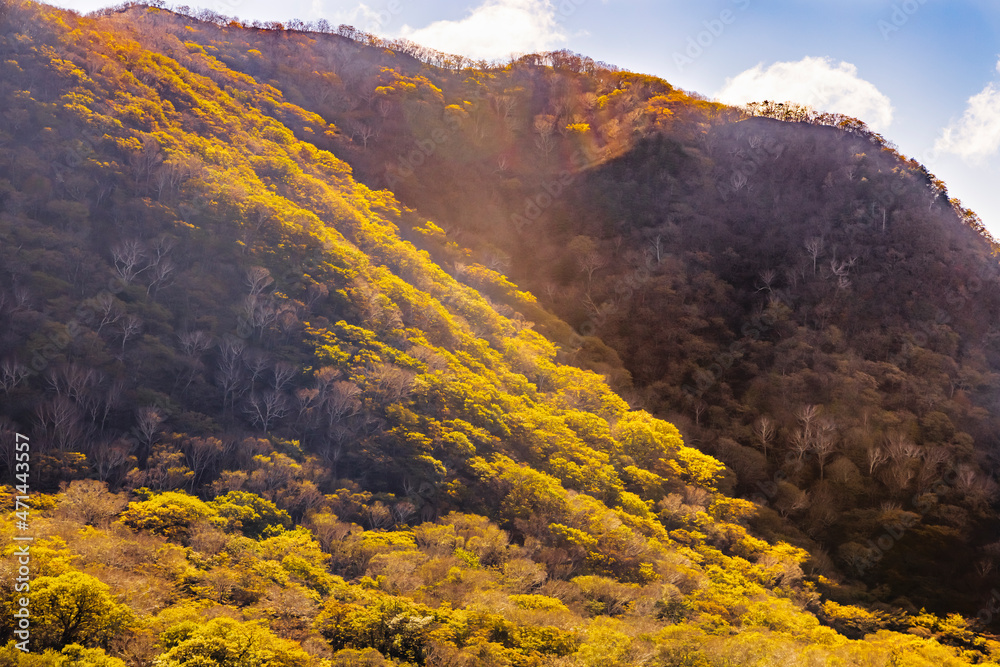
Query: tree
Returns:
{"type": "Point", "coordinates": [12, 373]}
{"type": "Point", "coordinates": [265, 408]}
{"type": "Point", "coordinates": [764, 428]}
{"type": "Point", "coordinates": [876, 456]}
{"type": "Point", "coordinates": [814, 247]}
{"type": "Point", "coordinates": [230, 372]}
{"type": "Point", "coordinates": [824, 444]}
{"type": "Point", "coordinates": [128, 327]}
{"type": "Point", "coordinates": [160, 275]}
{"type": "Point", "coordinates": [76, 608]}
{"type": "Point", "coordinates": [225, 642]}
{"type": "Point", "coordinates": [365, 131]}
{"type": "Point", "coordinates": [171, 514]}
{"type": "Point", "coordinates": [88, 502]}
{"type": "Point", "coordinates": [61, 422]}
{"type": "Point", "coordinates": [395, 627]}
{"type": "Point", "coordinates": [250, 514]}
{"type": "Point", "coordinates": [193, 345]}
{"type": "Point", "coordinates": [127, 256]}
{"type": "Point", "coordinates": [107, 309]}
{"type": "Point", "coordinates": [202, 455]}
{"type": "Point", "coordinates": [283, 372]}
{"type": "Point", "coordinates": [807, 415]}
{"type": "Point", "coordinates": [588, 256]}
{"type": "Point", "coordinates": [110, 461]}
{"type": "Point", "coordinates": [257, 279]}
{"type": "Point", "coordinates": [801, 443]}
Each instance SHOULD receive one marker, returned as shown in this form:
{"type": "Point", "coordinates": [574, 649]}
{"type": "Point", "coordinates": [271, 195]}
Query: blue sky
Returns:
{"type": "Point", "coordinates": [924, 73]}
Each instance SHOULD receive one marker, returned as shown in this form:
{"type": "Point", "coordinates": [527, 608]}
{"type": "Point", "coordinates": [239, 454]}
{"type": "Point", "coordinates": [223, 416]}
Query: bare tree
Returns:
{"type": "Point", "coordinates": [656, 246]}
{"type": "Point", "coordinates": [389, 383]}
{"type": "Point", "coordinates": [147, 425]}
{"type": "Point", "coordinates": [378, 515]}
{"type": "Point", "coordinates": [403, 511]}
{"type": "Point", "coordinates": [230, 371]}
{"type": "Point", "coordinates": [933, 458]}
{"type": "Point", "coordinates": [8, 429]}
{"type": "Point", "coordinates": [898, 475]}
{"type": "Point", "coordinates": [824, 443]}
{"type": "Point", "coordinates": [257, 363]}
{"type": "Point", "coordinates": [504, 105]}
{"type": "Point", "coordinates": [202, 455]}
{"type": "Point", "coordinates": [22, 299]}
{"type": "Point", "coordinates": [107, 309]}
{"type": "Point", "coordinates": [767, 278]}
{"type": "Point", "coordinates": [112, 399]}
{"type": "Point", "coordinates": [765, 429]}
{"type": "Point", "coordinates": [12, 373]}
{"type": "Point", "coordinates": [876, 457]}
{"type": "Point", "coordinates": [316, 293]}
{"type": "Point", "coordinates": [307, 401]}
{"type": "Point", "coordinates": [259, 313]}
{"type": "Point", "coordinates": [160, 275]}
{"type": "Point", "coordinates": [194, 343]}
{"type": "Point", "coordinates": [801, 444]}
{"type": "Point", "coordinates": [365, 131]}
{"type": "Point", "coordinates": [127, 257]}
{"type": "Point", "coordinates": [161, 247]}
{"type": "Point", "coordinates": [129, 326]}
{"type": "Point", "coordinates": [258, 279]}
{"type": "Point", "coordinates": [111, 460]}
{"type": "Point", "coordinates": [71, 380]}
{"type": "Point", "coordinates": [544, 127]}
{"type": "Point", "coordinates": [900, 448]}
{"type": "Point", "coordinates": [265, 408]}
{"type": "Point", "coordinates": [738, 181]}
{"type": "Point", "coordinates": [807, 415]}
{"type": "Point", "coordinates": [814, 246]}
{"type": "Point", "coordinates": [340, 402]}
{"type": "Point", "coordinates": [699, 408]}
{"type": "Point", "coordinates": [60, 421]}
{"type": "Point", "coordinates": [144, 160]}
{"type": "Point", "coordinates": [283, 373]}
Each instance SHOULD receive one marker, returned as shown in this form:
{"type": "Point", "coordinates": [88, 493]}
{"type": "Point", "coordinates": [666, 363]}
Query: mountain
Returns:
{"type": "Point", "coordinates": [333, 351]}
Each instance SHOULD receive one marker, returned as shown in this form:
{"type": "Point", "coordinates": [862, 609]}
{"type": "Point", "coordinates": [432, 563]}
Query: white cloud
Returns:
{"type": "Point", "coordinates": [494, 29]}
{"type": "Point", "coordinates": [817, 82]}
{"type": "Point", "coordinates": [976, 136]}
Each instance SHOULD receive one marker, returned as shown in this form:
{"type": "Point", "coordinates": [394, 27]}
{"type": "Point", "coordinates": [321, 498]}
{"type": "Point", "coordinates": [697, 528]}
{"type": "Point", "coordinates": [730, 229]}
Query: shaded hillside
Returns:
{"type": "Point", "coordinates": [266, 428]}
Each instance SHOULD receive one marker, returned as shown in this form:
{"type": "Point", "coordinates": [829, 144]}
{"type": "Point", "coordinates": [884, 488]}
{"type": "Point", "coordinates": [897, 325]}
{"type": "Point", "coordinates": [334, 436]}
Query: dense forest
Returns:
{"type": "Point", "coordinates": [336, 351]}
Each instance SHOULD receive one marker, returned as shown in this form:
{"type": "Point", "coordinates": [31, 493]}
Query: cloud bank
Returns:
{"type": "Point", "coordinates": [494, 29]}
{"type": "Point", "coordinates": [976, 135]}
{"type": "Point", "coordinates": [817, 82]}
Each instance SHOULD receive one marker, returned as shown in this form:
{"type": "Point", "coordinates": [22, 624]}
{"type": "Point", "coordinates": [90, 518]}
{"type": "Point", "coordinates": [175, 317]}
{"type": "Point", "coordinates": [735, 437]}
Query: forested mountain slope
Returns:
{"type": "Point", "coordinates": [803, 301]}
{"type": "Point", "coordinates": [266, 428]}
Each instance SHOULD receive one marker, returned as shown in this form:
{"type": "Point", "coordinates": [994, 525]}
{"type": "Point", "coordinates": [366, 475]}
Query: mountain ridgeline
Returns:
{"type": "Point", "coordinates": [333, 351]}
